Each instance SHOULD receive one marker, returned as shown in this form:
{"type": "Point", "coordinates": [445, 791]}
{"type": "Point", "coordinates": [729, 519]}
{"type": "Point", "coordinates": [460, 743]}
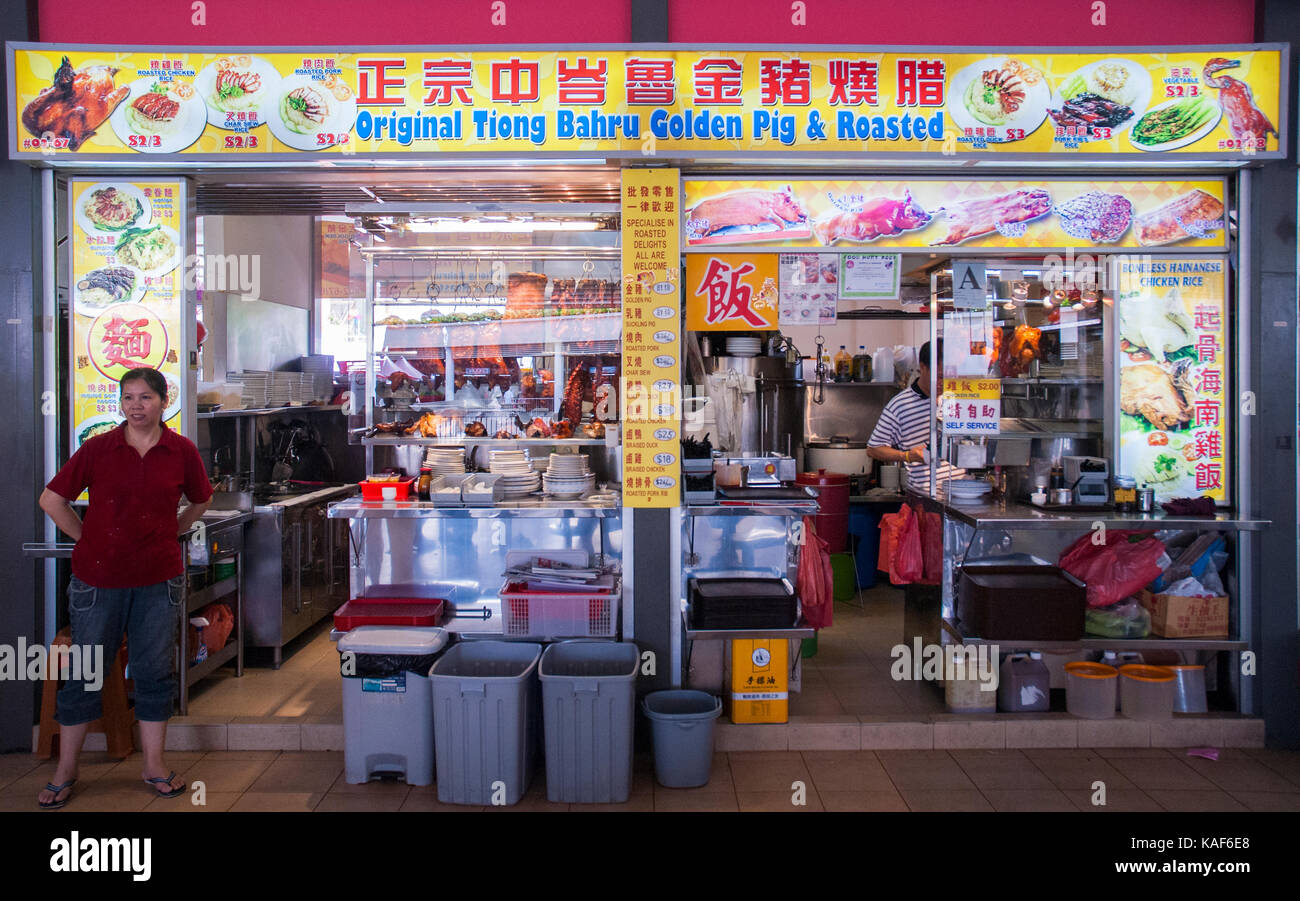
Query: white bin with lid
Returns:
{"type": "Point", "coordinates": [388, 701]}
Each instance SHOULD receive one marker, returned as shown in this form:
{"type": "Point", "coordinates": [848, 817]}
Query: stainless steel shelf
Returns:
{"type": "Point", "coordinates": [737, 508]}
{"type": "Point", "coordinates": [381, 440]}
{"type": "Point", "coordinates": [1104, 644]}
{"type": "Point", "coordinates": [270, 411]}
{"type": "Point", "coordinates": [355, 508]}
{"type": "Point", "coordinates": [1054, 381]}
{"type": "Point", "coordinates": [798, 632]}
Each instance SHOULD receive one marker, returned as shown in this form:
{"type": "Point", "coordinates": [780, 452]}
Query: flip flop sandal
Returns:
{"type": "Point", "coordinates": [56, 804]}
{"type": "Point", "coordinates": [166, 780]}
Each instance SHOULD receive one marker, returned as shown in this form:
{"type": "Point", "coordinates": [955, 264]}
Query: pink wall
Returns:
{"type": "Point", "coordinates": [334, 23]}
{"type": "Point", "coordinates": [971, 23]}
{"type": "Point", "coordinates": [929, 23]}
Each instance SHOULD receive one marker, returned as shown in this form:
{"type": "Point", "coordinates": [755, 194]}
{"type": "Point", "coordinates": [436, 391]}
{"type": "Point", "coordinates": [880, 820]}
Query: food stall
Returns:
{"type": "Point", "coordinates": [725, 200]}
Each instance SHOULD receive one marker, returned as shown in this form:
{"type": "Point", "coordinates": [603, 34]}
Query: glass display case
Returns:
{"type": "Point", "coordinates": [495, 329]}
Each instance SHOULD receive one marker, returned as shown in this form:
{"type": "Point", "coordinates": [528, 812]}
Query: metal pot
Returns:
{"type": "Point", "coordinates": [837, 456]}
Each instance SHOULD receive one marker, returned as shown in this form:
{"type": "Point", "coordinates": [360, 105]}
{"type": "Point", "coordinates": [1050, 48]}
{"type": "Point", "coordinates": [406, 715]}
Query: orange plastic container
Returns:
{"type": "Point", "coordinates": [1090, 689]}
{"type": "Point", "coordinates": [1146, 692]}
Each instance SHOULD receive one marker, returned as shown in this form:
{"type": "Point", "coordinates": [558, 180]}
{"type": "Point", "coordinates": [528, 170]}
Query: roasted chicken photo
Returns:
{"type": "Point", "coordinates": [78, 102]}
{"type": "Point", "coordinates": [1150, 391]}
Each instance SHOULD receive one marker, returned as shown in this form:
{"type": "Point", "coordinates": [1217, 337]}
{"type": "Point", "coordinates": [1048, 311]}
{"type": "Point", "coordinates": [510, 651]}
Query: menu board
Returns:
{"type": "Point", "coordinates": [972, 406]}
{"type": "Point", "coordinates": [1206, 103]}
{"type": "Point", "coordinates": [652, 343]}
{"type": "Point", "coordinates": [127, 295]}
{"type": "Point", "coordinates": [1174, 363]}
{"type": "Point", "coordinates": [809, 286]}
{"type": "Point", "coordinates": [957, 214]}
{"type": "Point", "coordinates": [733, 292]}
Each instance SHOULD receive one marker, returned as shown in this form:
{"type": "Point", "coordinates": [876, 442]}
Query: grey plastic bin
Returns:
{"type": "Point", "coordinates": [588, 713]}
{"type": "Point", "coordinates": [682, 733]}
{"type": "Point", "coordinates": [485, 721]}
{"type": "Point", "coordinates": [387, 714]}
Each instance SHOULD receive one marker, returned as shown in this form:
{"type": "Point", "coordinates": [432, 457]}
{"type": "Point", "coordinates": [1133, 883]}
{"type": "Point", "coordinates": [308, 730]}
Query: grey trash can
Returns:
{"type": "Point", "coordinates": [387, 714]}
{"type": "Point", "coordinates": [485, 720]}
{"type": "Point", "coordinates": [588, 712]}
{"type": "Point", "coordinates": [682, 734]}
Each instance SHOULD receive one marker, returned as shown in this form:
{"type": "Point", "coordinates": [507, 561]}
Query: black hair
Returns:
{"type": "Point", "coordinates": [151, 377]}
{"type": "Point", "coordinates": [923, 355]}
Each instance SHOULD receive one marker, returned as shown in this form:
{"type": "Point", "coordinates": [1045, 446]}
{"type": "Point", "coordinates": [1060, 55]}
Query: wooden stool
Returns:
{"type": "Point", "coordinates": [117, 718]}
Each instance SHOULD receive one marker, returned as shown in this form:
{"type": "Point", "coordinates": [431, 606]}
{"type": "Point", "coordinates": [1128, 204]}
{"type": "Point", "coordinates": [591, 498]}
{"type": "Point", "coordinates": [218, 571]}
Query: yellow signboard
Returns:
{"type": "Point", "coordinates": [652, 318]}
{"type": "Point", "coordinates": [1214, 103]}
{"type": "Point", "coordinates": [971, 406]}
{"type": "Point", "coordinates": [1174, 366]}
{"type": "Point", "coordinates": [732, 292]}
{"type": "Point", "coordinates": [127, 295]}
{"type": "Point", "coordinates": [927, 213]}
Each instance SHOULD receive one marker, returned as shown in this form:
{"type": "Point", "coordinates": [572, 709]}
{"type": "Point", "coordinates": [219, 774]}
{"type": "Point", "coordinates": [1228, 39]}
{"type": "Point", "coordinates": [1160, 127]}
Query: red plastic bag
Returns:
{"type": "Point", "coordinates": [931, 548]}
{"type": "Point", "coordinates": [816, 581]}
{"type": "Point", "coordinates": [909, 562]}
{"type": "Point", "coordinates": [890, 525]}
{"type": "Point", "coordinates": [1124, 565]}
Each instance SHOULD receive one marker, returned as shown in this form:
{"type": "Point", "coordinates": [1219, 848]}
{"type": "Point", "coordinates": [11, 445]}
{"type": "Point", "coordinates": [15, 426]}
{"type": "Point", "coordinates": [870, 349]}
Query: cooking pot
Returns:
{"type": "Point", "coordinates": [837, 456]}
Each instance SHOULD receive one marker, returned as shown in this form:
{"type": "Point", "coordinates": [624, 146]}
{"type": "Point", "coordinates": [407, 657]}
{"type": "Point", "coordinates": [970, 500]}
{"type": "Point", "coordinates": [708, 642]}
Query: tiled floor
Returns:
{"type": "Point", "coordinates": [1005, 780]}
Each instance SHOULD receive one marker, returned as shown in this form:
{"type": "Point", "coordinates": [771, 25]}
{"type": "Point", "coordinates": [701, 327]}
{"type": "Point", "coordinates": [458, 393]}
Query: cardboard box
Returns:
{"type": "Point", "coordinates": [1177, 616]}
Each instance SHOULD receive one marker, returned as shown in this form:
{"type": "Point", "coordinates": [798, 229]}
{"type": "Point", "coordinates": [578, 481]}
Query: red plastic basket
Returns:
{"type": "Point", "coordinates": [548, 614]}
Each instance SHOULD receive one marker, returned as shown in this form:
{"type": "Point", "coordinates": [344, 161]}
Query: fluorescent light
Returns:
{"type": "Point", "coordinates": [461, 226]}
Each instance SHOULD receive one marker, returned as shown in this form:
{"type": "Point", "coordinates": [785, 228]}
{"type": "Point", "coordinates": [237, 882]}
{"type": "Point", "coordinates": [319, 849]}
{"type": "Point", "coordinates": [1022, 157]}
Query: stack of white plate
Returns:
{"type": "Point", "coordinates": [445, 461]}
{"type": "Point", "coordinates": [967, 491]}
{"type": "Point", "coordinates": [567, 475]}
{"type": "Point", "coordinates": [256, 384]}
{"type": "Point", "coordinates": [517, 476]}
{"type": "Point", "coordinates": [744, 346]}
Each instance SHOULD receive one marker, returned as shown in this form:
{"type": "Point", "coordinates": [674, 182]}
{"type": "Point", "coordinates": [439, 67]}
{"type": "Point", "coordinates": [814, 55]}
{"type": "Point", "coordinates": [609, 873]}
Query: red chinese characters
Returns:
{"type": "Point", "coordinates": [853, 82]}
{"type": "Point", "coordinates": [785, 81]}
{"type": "Point", "coordinates": [1207, 413]}
{"type": "Point", "coordinates": [373, 81]}
{"type": "Point", "coordinates": [1211, 381]}
{"type": "Point", "coordinates": [717, 82]}
{"type": "Point", "coordinates": [1207, 348]}
{"type": "Point", "coordinates": [650, 82]}
{"type": "Point", "coordinates": [920, 82]}
{"type": "Point", "coordinates": [445, 78]}
{"type": "Point", "coordinates": [580, 81]}
{"type": "Point", "coordinates": [1207, 317]}
{"type": "Point", "coordinates": [515, 82]}
{"type": "Point", "coordinates": [1207, 445]}
{"type": "Point", "coordinates": [125, 340]}
{"type": "Point", "coordinates": [729, 297]}
{"type": "Point", "coordinates": [1209, 476]}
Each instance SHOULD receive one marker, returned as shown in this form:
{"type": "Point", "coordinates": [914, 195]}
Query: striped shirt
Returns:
{"type": "Point", "coordinates": [905, 424]}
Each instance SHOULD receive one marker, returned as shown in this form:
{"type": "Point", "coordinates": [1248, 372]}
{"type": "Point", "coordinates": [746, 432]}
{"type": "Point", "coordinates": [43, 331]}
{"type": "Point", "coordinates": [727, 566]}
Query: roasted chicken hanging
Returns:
{"type": "Point", "coordinates": [1021, 350]}
{"type": "Point", "coordinates": [75, 105]}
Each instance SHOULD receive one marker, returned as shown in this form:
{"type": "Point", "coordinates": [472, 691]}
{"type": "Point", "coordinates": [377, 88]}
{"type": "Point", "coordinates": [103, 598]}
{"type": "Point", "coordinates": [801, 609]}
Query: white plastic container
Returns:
{"type": "Point", "coordinates": [1090, 689]}
{"type": "Point", "coordinates": [1024, 685]}
{"type": "Point", "coordinates": [965, 693]}
{"type": "Point", "coordinates": [1189, 689]}
{"type": "Point", "coordinates": [1146, 692]}
{"type": "Point", "coordinates": [388, 701]}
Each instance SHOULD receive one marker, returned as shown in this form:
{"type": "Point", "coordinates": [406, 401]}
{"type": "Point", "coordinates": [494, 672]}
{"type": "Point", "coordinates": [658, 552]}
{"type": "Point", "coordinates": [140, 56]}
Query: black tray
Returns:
{"type": "Point", "coordinates": [742, 603]}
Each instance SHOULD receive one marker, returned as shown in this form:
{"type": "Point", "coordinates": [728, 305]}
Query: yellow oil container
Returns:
{"type": "Point", "coordinates": [760, 680]}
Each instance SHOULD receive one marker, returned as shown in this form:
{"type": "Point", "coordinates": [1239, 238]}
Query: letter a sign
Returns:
{"type": "Point", "coordinates": [969, 286]}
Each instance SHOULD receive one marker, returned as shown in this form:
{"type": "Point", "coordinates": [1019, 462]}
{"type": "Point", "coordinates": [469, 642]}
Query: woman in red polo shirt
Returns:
{"type": "Point", "coordinates": [127, 572]}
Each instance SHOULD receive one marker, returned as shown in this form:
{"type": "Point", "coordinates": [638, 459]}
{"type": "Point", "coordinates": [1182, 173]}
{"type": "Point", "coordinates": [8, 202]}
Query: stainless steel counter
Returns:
{"type": "Point", "coordinates": [1007, 514]}
{"type": "Point", "coordinates": [356, 508]}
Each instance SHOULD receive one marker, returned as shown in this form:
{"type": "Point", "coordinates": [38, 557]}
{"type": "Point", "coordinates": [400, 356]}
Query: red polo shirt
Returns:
{"type": "Point", "coordinates": [128, 535]}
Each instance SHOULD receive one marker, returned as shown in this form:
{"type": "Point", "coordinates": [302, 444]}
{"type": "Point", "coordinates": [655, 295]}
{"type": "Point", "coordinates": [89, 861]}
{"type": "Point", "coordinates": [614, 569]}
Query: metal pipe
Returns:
{"type": "Point", "coordinates": [1245, 320]}
{"type": "Point", "coordinates": [50, 389]}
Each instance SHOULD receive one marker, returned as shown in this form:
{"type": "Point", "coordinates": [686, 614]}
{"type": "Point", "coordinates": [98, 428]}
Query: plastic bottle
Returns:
{"type": "Point", "coordinates": [862, 365]}
{"type": "Point", "coordinates": [843, 365]}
